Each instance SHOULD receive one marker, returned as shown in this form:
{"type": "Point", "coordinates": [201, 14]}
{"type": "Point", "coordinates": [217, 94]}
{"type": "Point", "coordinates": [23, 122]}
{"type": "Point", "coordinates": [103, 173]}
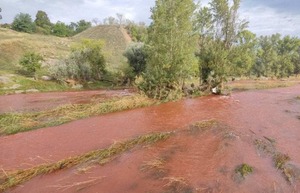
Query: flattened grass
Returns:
{"type": "Point", "coordinates": [12, 179]}
{"type": "Point", "coordinates": [260, 84]}
{"type": "Point", "coordinates": [12, 123]}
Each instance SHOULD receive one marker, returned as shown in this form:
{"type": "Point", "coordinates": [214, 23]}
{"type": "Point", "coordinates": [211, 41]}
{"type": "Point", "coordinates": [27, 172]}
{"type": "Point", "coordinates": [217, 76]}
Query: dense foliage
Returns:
{"type": "Point", "coordinates": [136, 56]}
{"type": "Point", "coordinates": [42, 25]}
{"type": "Point", "coordinates": [23, 23]}
{"type": "Point", "coordinates": [31, 62]}
{"type": "Point", "coordinates": [171, 49]}
{"type": "Point", "coordinates": [86, 62]}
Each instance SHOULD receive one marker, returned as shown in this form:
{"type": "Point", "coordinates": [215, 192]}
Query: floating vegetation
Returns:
{"type": "Point", "coordinates": [244, 170]}
{"type": "Point", "coordinates": [280, 160]}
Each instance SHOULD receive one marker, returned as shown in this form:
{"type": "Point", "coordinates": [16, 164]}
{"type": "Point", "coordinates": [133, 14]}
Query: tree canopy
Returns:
{"type": "Point", "coordinates": [23, 23]}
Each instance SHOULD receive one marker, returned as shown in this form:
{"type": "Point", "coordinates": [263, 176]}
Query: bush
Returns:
{"type": "Point", "coordinates": [85, 63]}
{"type": "Point", "coordinates": [136, 55]}
{"type": "Point", "coordinates": [31, 62]}
{"type": "Point", "coordinates": [23, 23]}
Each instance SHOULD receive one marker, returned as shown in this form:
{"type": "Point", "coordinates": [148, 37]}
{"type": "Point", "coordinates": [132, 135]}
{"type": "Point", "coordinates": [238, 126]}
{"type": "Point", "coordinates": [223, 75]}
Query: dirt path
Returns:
{"type": "Point", "coordinates": [43, 101]}
{"type": "Point", "coordinates": [203, 162]}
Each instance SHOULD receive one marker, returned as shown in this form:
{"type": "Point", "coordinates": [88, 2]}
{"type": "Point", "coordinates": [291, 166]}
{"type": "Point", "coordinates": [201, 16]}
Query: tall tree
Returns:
{"type": "Point", "coordinates": [220, 29]}
{"type": "Point", "coordinates": [171, 49]}
{"type": "Point", "coordinates": [42, 22]}
{"type": "Point", "coordinates": [23, 23]}
{"type": "Point", "coordinates": [82, 25]}
{"type": "Point", "coordinates": [42, 19]}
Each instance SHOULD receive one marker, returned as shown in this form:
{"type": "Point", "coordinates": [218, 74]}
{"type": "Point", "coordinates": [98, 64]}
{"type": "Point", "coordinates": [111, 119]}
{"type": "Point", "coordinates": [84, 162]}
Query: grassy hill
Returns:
{"type": "Point", "coordinates": [116, 40]}
{"type": "Point", "coordinates": [14, 44]}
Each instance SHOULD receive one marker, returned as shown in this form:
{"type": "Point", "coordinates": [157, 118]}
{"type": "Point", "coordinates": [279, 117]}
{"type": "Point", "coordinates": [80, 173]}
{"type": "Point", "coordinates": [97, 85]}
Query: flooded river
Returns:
{"type": "Point", "coordinates": [189, 161]}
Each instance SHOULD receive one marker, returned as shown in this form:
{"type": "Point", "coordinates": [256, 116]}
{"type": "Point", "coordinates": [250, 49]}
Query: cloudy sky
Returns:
{"type": "Point", "coordinates": [266, 16]}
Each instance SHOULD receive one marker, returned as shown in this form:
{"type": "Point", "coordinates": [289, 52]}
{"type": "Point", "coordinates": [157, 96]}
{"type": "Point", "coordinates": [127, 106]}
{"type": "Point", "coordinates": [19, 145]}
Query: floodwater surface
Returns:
{"type": "Point", "coordinates": [44, 101]}
{"type": "Point", "coordinates": [189, 161]}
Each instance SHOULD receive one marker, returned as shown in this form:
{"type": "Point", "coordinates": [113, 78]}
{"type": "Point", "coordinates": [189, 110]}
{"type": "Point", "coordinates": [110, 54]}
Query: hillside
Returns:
{"type": "Point", "coordinates": [14, 44]}
{"type": "Point", "coordinates": [116, 40]}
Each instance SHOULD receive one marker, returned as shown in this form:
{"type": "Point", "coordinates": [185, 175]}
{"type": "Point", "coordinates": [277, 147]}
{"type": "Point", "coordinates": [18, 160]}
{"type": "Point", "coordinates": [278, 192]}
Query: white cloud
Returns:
{"type": "Point", "coordinates": [265, 21]}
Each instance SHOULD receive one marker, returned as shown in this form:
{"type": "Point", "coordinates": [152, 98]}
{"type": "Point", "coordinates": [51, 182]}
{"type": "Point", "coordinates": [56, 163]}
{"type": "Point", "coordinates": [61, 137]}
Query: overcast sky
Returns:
{"type": "Point", "coordinates": [266, 16]}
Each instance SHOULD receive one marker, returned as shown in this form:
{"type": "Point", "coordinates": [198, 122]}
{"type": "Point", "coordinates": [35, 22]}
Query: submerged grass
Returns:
{"type": "Point", "coordinates": [280, 160]}
{"type": "Point", "coordinates": [12, 179]}
{"type": "Point", "coordinates": [244, 170]}
{"type": "Point", "coordinates": [11, 123]}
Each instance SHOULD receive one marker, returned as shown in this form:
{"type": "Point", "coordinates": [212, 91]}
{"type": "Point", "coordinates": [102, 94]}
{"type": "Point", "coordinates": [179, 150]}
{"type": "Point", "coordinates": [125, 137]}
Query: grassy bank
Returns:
{"type": "Point", "coordinates": [11, 123]}
{"type": "Point", "coordinates": [244, 85]}
{"type": "Point", "coordinates": [12, 179]}
{"type": "Point", "coordinates": [21, 84]}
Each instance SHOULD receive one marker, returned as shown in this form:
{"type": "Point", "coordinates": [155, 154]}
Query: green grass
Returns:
{"type": "Point", "coordinates": [27, 83]}
{"type": "Point", "coordinates": [260, 84]}
{"type": "Point", "coordinates": [14, 178]}
{"type": "Point", "coordinates": [11, 123]}
{"type": "Point", "coordinates": [15, 44]}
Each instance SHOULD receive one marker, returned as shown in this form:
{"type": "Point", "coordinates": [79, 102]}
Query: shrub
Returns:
{"type": "Point", "coordinates": [136, 56]}
{"type": "Point", "coordinates": [31, 62]}
{"type": "Point", "coordinates": [86, 62]}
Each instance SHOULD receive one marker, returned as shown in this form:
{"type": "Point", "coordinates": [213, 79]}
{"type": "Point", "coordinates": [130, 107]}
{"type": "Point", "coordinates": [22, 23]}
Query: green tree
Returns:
{"type": "Point", "coordinates": [244, 54]}
{"type": "Point", "coordinates": [171, 49]}
{"type": "Point", "coordinates": [60, 29]}
{"type": "Point", "coordinates": [266, 57]}
{"type": "Point", "coordinates": [31, 62]}
{"type": "Point", "coordinates": [288, 54]}
{"type": "Point", "coordinates": [136, 56]}
{"type": "Point", "coordinates": [23, 23]}
{"type": "Point", "coordinates": [42, 22]}
{"type": "Point", "coordinates": [138, 32]}
{"type": "Point", "coordinates": [82, 25]}
{"type": "Point", "coordinates": [219, 30]}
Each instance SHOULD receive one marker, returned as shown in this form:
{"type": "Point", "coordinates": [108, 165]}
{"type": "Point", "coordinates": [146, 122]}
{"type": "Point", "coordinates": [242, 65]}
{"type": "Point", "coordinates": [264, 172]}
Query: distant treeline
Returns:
{"type": "Point", "coordinates": [23, 22]}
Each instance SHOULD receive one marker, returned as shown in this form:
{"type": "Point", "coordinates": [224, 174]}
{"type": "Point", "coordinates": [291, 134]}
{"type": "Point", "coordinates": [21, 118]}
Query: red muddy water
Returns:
{"type": "Point", "coordinates": [190, 161]}
{"type": "Point", "coordinates": [43, 101]}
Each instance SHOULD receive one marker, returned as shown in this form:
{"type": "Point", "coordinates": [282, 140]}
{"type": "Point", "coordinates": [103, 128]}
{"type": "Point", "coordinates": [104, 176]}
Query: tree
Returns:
{"type": "Point", "coordinates": [23, 23]}
{"type": "Point", "coordinates": [110, 21]}
{"type": "Point", "coordinates": [171, 49]}
{"type": "Point", "coordinates": [96, 21]}
{"type": "Point", "coordinates": [42, 22]}
{"type": "Point", "coordinates": [31, 62]}
{"type": "Point", "coordinates": [60, 29]}
{"type": "Point", "coordinates": [82, 25]}
{"type": "Point", "coordinates": [42, 19]}
{"type": "Point", "coordinates": [220, 29]}
{"type": "Point", "coordinates": [244, 54]}
{"type": "Point", "coordinates": [120, 18]}
{"type": "Point", "coordinates": [137, 32]}
{"type": "Point", "coordinates": [136, 56]}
